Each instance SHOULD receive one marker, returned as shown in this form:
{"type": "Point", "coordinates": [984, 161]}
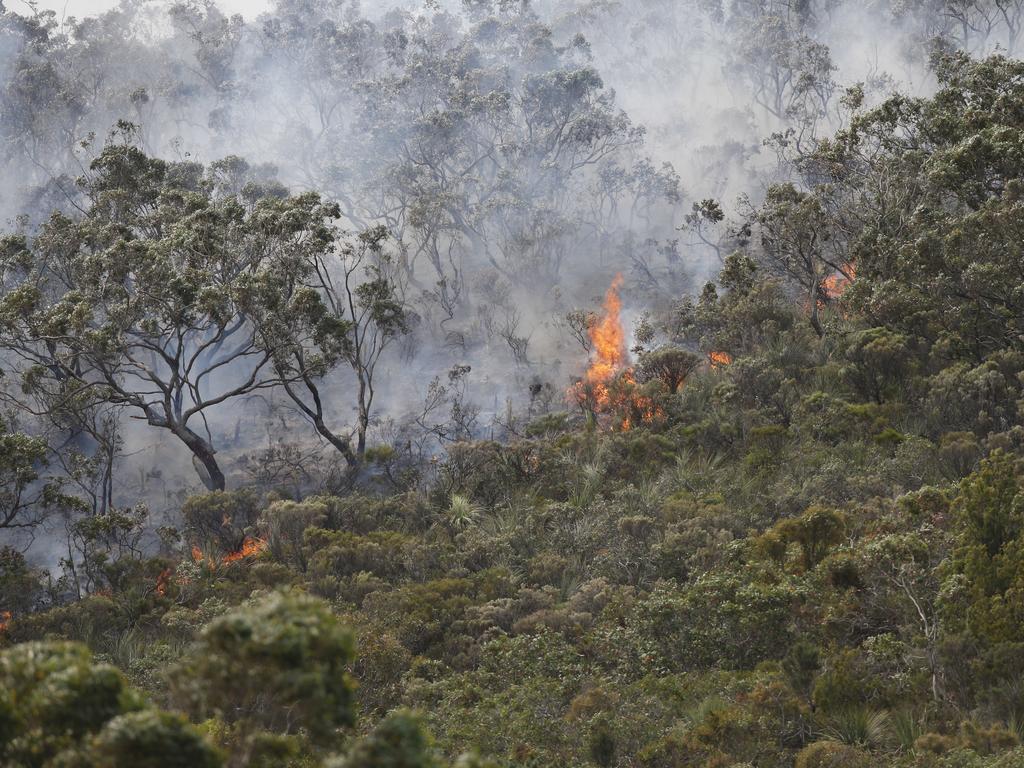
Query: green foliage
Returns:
{"type": "Point", "coordinates": [398, 741]}
{"type": "Point", "coordinates": [277, 664]}
{"type": "Point", "coordinates": [831, 754]}
{"type": "Point", "coordinates": [58, 697]}
{"type": "Point", "coordinates": [151, 739]}
{"type": "Point", "coordinates": [26, 499]}
{"type": "Point", "coordinates": [721, 619]}
{"type": "Point", "coordinates": [671, 366]}
{"type": "Point", "coordinates": [602, 744]}
{"type": "Point", "coordinates": [982, 591]}
{"type": "Point", "coordinates": [801, 663]}
{"type": "Point", "coordinates": [59, 707]}
{"type": "Point", "coordinates": [859, 726]}
{"type": "Point", "coordinates": [815, 532]}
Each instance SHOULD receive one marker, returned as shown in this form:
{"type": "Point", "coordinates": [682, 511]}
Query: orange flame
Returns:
{"type": "Point", "coordinates": [609, 340]}
{"type": "Point", "coordinates": [162, 580]}
{"type": "Point", "coordinates": [609, 367]}
{"type": "Point", "coordinates": [836, 284]}
{"type": "Point", "coordinates": [5, 619]}
{"type": "Point", "coordinates": [250, 546]}
{"type": "Point", "coordinates": [719, 359]}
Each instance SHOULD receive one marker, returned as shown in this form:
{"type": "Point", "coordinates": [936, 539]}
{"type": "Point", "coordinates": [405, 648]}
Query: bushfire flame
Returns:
{"type": "Point", "coordinates": [609, 365]}
{"type": "Point", "coordinates": [609, 340]}
{"type": "Point", "coordinates": [719, 359]}
{"type": "Point", "coordinates": [834, 285]}
{"type": "Point", "coordinates": [162, 580]}
{"type": "Point", "coordinates": [5, 619]}
{"type": "Point", "coordinates": [251, 546]}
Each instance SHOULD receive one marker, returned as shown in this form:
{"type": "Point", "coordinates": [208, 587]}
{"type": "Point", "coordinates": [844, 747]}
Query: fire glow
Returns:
{"type": "Point", "coordinates": [251, 546]}
{"type": "Point", "coordinates": [609, 340]}
{"type": "Point", "coordinates": [162, 581]}
{"type": "Point", "coordinates": [608, 386]}
{"type": "Point", "coordinates": [836, 284]}
{"type": "Point", "coordinates": [719, 359]}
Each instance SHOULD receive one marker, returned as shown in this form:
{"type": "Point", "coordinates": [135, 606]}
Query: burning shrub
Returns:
{"type": "Point", "coordinates": [222, 518]}
{"type": "Point", "coordinates": [20, 585]}
{"type": "Point", "coordinates": [610, 387]}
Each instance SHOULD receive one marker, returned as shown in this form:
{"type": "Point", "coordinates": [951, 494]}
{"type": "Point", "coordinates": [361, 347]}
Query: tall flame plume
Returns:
{"type": "Point", "coordinates": [609, 386]}
{"type": "Point", "coordinates": [609, 340]}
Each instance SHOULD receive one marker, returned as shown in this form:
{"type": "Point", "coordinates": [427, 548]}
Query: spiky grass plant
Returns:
{"type": "Point", "coordinates": [461, 513]}
{"type": "Point", "coordinates": [906, 728]}
{"type": "Point", "coordinates": [859, 726]}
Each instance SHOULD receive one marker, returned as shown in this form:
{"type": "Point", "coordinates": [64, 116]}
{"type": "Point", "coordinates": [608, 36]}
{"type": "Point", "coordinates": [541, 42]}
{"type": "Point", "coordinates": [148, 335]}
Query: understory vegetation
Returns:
{"type": "Point", "coordinates": [789, 533]}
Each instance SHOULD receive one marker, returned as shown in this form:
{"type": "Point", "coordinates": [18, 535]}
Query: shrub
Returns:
{"type": "Point", "coordinates": [278, 664]}
{"type": "Point", "coordinates": [398, 741]}
{"type": "Point", "coordinates": [221, 519]}
{"type": "Point", "coordinates": [151, 739]}
{"type": "Point", "coordinates": [832, 754]}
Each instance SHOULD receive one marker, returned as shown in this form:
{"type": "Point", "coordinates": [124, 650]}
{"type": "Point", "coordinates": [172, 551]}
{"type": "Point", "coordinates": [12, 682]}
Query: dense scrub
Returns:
{"type": "Point", "coordinates": [792, 534]}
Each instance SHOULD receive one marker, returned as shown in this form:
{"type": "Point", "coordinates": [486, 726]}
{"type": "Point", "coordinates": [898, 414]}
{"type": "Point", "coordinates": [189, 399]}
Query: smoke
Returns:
{"type": "Point", "coordinates": [522, 154]}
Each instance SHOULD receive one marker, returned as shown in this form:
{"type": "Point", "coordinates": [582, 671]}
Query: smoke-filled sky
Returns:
{"type": "Point", "coordinates": [248, 8]}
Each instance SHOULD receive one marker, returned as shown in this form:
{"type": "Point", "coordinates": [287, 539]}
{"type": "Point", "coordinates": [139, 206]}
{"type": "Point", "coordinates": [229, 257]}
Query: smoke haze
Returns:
{"type": "Point", "coordinates": [519, 154]}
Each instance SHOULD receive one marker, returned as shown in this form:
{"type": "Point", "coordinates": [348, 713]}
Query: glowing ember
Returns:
{"type": "Point", "coordinates": [719, 359]}
{"type": "Point", "coordinates": [5, 619]}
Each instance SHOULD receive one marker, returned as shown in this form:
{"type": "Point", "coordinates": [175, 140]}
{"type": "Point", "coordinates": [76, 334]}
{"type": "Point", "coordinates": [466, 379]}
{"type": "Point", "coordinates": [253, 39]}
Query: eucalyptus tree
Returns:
{"type": "Point", "coordinates": [26, 496]}
{"type": "Point", "coordinates": [919, 200]}
{"type": "Point", "coordinates": [146, 299]}
{"type": "Point", "coordinates": [339, 307]}
{"type": "Point", "coordinates": [796, 241]}
{"type": "Point", "coordinates": [494, 133]}
{"type": "Point", "coordinates": [787, 71]}
{"type": "Point", "coordinates": [478, 139]}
